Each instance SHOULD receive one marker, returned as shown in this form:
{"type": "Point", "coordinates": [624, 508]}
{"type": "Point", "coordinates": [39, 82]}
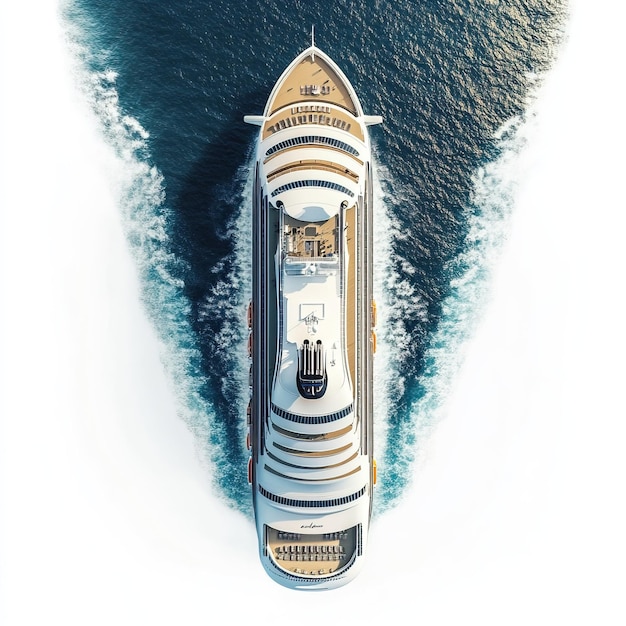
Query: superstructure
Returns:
{"type": "Point", "coordinates": [312, 320]}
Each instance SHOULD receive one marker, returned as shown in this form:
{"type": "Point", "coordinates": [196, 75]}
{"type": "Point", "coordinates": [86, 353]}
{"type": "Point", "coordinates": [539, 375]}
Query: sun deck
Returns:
{"type": "Point", "coordinates": [312, 555]}
{"type": "Point", "coordinates": [311, 239]}
{"type": "Point", "coordinates": [313, 79]}
{"type": "Point", "coordinates": [312, 93]}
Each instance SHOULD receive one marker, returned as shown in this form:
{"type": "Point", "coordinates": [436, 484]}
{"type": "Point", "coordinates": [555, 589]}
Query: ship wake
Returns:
{"type": "Point", "coordinates": [409, 425]}
{"type": "Point", "coordinates": [203, 333]}
{"type": "Point", "coordinates": [149, 225]}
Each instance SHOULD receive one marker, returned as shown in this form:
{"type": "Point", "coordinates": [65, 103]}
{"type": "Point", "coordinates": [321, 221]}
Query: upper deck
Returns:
{"type": "Point", "coordinates": [313, 266]}
{"type": "Point", "coordinates": [311, 346]}
{"type": "Point", "coordinates": [318, 289]}
{"type": "Point", "coordinates": [312, 90]}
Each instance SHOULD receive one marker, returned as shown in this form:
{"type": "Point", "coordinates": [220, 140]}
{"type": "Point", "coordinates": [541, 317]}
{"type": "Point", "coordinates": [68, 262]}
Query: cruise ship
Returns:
{"type": "Point", "coordinates": [312, 328]}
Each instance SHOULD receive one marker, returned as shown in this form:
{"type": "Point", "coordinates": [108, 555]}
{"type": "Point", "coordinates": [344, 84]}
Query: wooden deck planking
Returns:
{"type": "Point", "coordinates": [309, 72]}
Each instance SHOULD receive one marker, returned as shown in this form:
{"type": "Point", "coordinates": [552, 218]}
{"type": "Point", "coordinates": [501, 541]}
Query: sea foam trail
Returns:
{"type": "Point", "coordinates": [514, 501]}
{"type": "Point", "coordinates": [106, 515]}
{"type": "Point", "coordinates": [489, 211]}
{"type": "Point", "coordinates": [397, 305]}
{"type": "Point", "coordinates": [546, 547]}
{"type": "Point", "coordinates": [146, 220]}
{"type": "Point", "coordinates": [226, 302]}
{"type": "Point", "coordinates": [490, 207]}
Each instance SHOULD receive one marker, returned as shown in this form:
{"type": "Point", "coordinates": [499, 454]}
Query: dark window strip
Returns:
{"type": "Point", "coordinates": [312, 436]}
{"type": "Point", "coordinates": [312, 419]}
{"type": "Point", "coordinates": [312, 139]}
{"type": "Point", "coordinates": [327, 184]}
{"type": "Point", "coordinates": [311, 504]}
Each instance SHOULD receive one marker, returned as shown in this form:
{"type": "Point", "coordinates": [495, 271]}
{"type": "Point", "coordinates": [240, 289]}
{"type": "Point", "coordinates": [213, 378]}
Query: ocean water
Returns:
{"type": "Point", "coordinates": [513, 515]}
{"type": "Point", "coordinates": [169, 84]}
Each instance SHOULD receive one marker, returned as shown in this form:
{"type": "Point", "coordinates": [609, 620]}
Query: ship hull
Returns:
{"type": "Point", "coordinates": [312, 328]}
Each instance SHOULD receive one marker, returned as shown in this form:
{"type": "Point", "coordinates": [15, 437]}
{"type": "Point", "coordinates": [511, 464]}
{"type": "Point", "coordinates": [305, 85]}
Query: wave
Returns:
{"type": "Point", "coordinates": [489, 212]}
{"type": "Point", "coordinates": [203, 339]}
{"type": "Point", "coordinates": [146, 220]}
{"type": "Point", "coordinates": [399, 308]}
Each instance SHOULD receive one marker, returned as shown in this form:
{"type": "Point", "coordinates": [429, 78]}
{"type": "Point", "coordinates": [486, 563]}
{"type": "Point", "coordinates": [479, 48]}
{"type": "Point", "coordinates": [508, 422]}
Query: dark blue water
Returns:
{"type": "Point", "coordinates": [170, 83]}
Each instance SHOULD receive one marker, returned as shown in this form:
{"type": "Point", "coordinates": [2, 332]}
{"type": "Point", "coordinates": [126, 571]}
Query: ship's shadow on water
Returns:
{"type": "Point", "coordinates": [205, 223]}
{"type": "Point", "coordinates": [206, 206]}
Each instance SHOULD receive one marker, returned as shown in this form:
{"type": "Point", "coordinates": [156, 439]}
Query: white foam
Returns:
{"type": "Point", "coordinates": [107, 513]}
{"type": "Point", "coordinates": [140, 196]}
{"type": "Point", "coordinates": [515, 514]}
{"type": "Point", "coordinates": [488, 213]}
{"type": "Point", "coordinates": [398, 308]}
{"type": "Point", "coordinates": [513, 510]}
{"type": "Point", "coordinates": [229, 297]}
{"type": "Point", "coordinates": [390, 336]}
{"type": "Point", "coordinates": [492, 199]}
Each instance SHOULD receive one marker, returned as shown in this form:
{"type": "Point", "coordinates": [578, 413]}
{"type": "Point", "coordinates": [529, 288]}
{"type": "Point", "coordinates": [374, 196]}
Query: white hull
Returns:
{"type": "Point", "coordinates": [312, 317]}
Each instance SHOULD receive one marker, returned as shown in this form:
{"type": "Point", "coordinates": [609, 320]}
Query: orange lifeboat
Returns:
{"type": "Point", "coordinates": [250, 471]}
{"type": "Point", "coordinates": [374, 471]}
{"type": "Point", "coordinates": [248, 441]}
{"type": "Point", "coordinates": [373, 342]}
{"type": "Point", "coordinates": [374, 313]}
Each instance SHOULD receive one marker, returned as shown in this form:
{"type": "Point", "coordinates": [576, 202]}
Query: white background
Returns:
{"type": "Point", "coordinates": [516, 514]}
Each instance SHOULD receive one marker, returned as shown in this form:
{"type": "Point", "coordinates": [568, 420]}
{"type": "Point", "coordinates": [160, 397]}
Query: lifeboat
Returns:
{"type": "Point", "coordinates": [374, 313]}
